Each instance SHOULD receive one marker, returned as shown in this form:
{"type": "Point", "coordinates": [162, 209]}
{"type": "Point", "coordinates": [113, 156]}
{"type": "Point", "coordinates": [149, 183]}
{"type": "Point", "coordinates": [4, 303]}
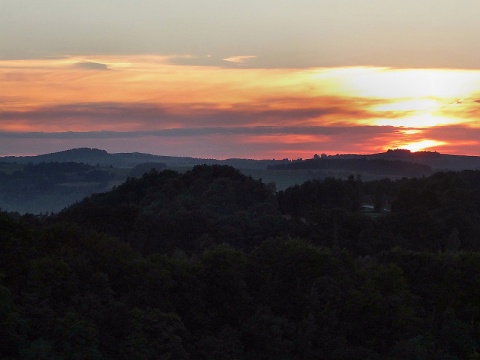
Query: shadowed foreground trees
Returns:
{"type": "Point", "coordinates": [206, 266]}
{"type": "Point", "coordinates": [95, 298]}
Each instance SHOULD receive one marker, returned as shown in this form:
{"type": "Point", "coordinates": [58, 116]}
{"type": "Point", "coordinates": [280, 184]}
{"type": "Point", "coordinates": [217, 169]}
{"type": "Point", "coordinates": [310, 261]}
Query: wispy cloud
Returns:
{"type": "Point", "coordinates": [153, 102]}
{"type": "Point", "coordinates": [249, 141]}
{"type": "Point", "coordinates": [239, 60]}
{"type": "Point", "coordinates": [89, 65]}
{"type": "Point", "coordinates": [182, 132]}
{"type": "Point", "coordinates": [150, 116]}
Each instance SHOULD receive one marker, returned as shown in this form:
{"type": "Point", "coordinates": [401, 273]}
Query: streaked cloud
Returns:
{"type": "Point", "coordinates": [288, 34]}
{"type": "Point", "coordinates": [240, 60]}
{"type": "Point", "coordinates": [259, 142]}
{"type": "Point", "coordinates": [138, 116]}
{"type": "Point", "coordinates": [87, 65]}
{"type": "Point", "coordinates": [182, 132]}
{"type": "Point", "coordinates": [220, 142]}
{"type": "Point", "coordinates": [231, 79]}
{"type": "Point", "coordinates": [157, 104]}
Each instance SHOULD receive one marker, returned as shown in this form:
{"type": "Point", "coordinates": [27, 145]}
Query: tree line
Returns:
{"type": "Point", "coordinates": [212, 264]}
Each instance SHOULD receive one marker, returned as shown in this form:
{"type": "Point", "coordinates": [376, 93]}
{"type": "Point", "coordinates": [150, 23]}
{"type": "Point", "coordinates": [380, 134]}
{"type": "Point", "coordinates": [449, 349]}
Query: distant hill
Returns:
{"type": "Point", "coordinates": [396, 161]}
{"type": "Point", "coordinates": [359, 165]}
{"type": "Point", "coordinates": [85, 155]}
{"type": "Point", "coordinates": [130, 160]}
{"type": "Point", "coordinates": [435, 160]}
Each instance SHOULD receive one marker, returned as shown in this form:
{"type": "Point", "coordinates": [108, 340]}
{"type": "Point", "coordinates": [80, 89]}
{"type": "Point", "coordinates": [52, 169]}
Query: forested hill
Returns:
{"type": "Point", "coordinates": [434, 160]}
{"type": "Point", "coordinates": [358, 165]}
{"type": "Point", "coordinates": [212, 204]}
{"type": "Point", "coordinates": [392, 162]}
{"type": "Point", "coordinates": [213, 264]}
{"type": "Point", "coordinates": [167, 210]}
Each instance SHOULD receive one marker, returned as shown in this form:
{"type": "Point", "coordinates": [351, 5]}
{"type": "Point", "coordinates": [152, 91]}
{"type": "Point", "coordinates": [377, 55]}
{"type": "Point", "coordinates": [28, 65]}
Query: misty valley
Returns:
{"type": "Point", "coordinates": [132, 256]}
{"type": "Point", "coordinates": [49, 183]}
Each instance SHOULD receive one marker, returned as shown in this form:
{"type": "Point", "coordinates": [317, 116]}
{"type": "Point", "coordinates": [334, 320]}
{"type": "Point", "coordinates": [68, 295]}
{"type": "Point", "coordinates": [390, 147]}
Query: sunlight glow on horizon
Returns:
{"type": "Point", "coordinates": [421, 145]}
{"type": "Point", "coordinates": [151, 93]}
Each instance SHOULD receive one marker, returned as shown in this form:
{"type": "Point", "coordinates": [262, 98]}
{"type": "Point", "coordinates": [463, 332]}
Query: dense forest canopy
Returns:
{"type": "Point", "coordinates": [213, 264]}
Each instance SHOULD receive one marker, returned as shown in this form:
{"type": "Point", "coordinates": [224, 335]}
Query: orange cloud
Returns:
{"type": "Point", "coordinates": [318, 110]}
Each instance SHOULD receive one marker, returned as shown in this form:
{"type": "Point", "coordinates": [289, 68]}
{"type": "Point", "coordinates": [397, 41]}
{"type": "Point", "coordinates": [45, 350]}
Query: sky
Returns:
{"type": "Point", "coordinates": [251, 79]}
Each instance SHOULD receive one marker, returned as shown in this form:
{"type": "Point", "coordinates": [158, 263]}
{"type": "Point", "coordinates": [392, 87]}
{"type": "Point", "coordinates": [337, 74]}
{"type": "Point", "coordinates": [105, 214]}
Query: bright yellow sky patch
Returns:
{"type": "Point", "coordinates": [408, 105]}
{"type": "Point", "coordinates": [421, 120]}
{"type": "Point", "coordinates": [101, 94]}
{"type": "Point", "coordinates": [390, 83]}
{"type": "Point", "coordinates": [421, 145]}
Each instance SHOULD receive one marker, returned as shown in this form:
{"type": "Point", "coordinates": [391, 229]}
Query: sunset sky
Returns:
{"type": "Point", "coordinates": [251, 79]}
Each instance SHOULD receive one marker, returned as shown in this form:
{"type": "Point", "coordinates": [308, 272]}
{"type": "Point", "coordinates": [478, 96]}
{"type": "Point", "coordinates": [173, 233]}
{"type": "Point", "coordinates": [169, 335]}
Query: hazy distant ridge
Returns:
{"type": "Point", "coordinates": [103, 158]}
{"type": "Point", "coordinates": [434, 160]}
